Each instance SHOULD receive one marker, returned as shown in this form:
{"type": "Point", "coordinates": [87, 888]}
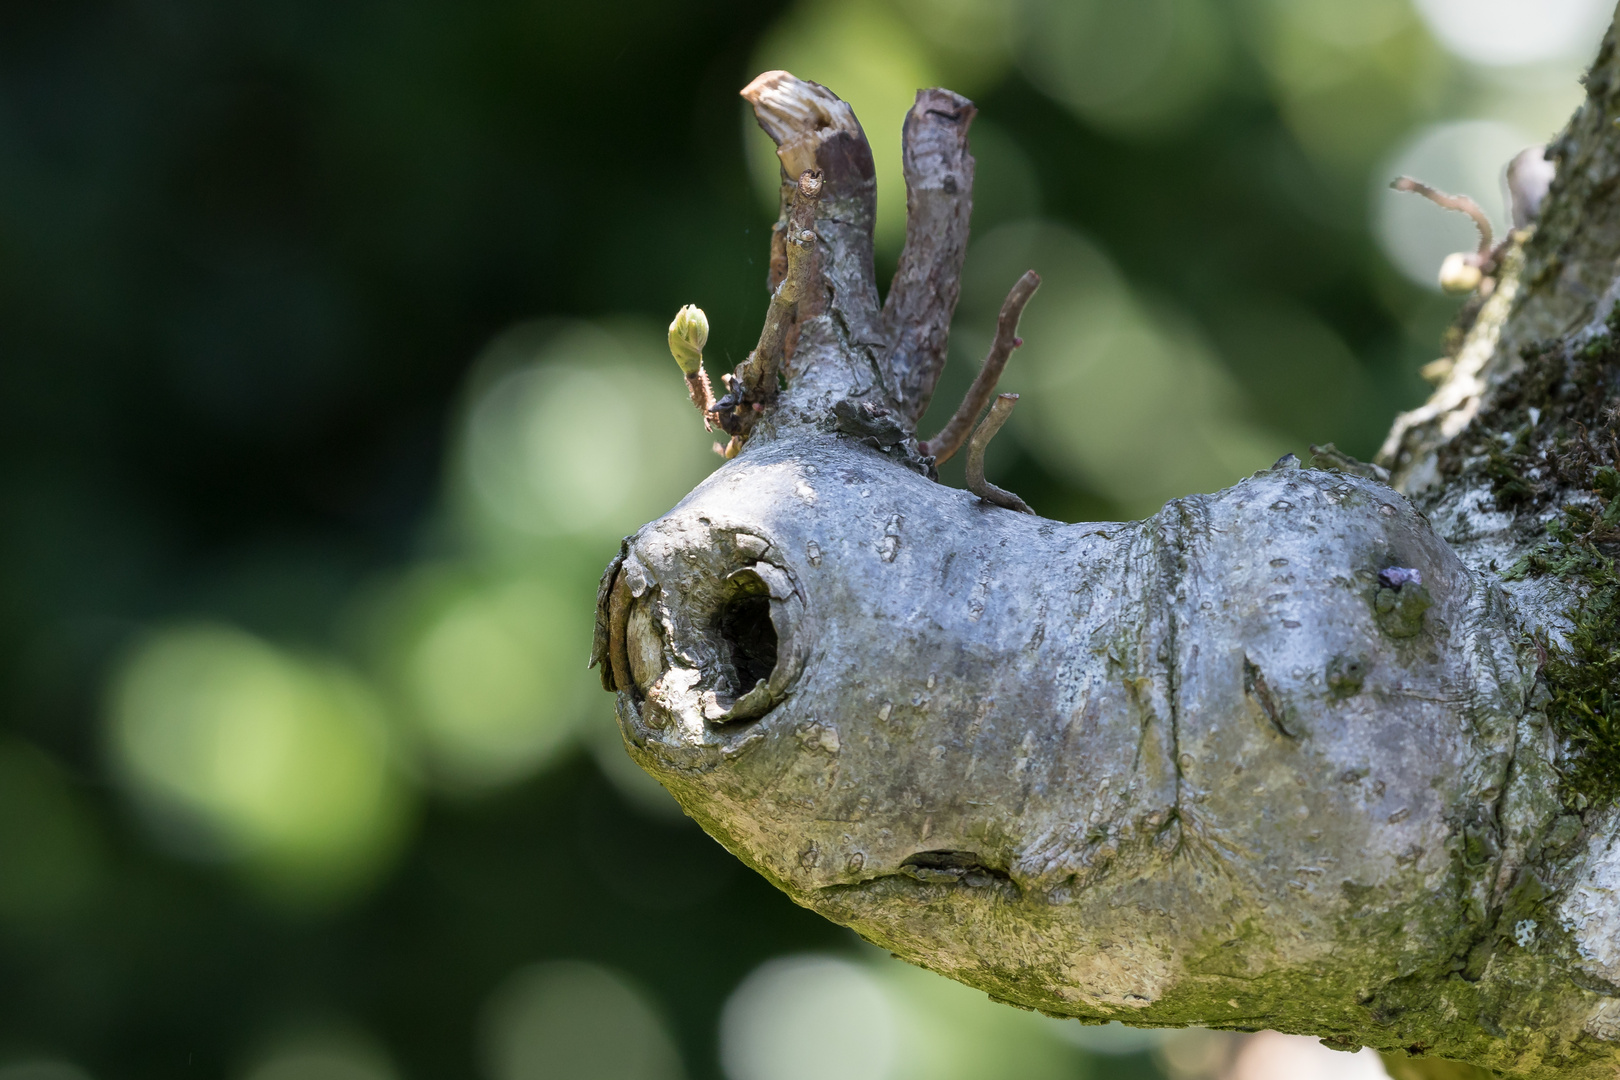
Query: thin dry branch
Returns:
{"type": "Point", "coordinates": [1000, 409]}
{"type": "Point", "coordinates": [950, 438]}
{"type": "Point", "coordinates": [939, 202]}
{"type": "Point", "coordinates": [1461, 203]}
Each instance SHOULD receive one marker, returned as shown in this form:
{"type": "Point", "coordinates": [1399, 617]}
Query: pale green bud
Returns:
{"type": "Point", "coordinates": [1460, 273]}
{"type": "Point", "coordinates": [687, 336]}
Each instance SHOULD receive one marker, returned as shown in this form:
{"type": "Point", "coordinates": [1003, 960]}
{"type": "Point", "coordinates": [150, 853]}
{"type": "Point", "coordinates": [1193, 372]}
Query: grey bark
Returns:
{"type": "Point", "coordinates": [1234, 765]}
{"type": "Point", "coordinates": [939, 200]}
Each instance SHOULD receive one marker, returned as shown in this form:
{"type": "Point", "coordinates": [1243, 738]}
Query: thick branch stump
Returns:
{"type": "Point", "coordinates": [1277, 757]}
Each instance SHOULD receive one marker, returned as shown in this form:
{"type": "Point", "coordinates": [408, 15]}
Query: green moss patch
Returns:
{"type": "Point", "coordinates": [1566, 450]}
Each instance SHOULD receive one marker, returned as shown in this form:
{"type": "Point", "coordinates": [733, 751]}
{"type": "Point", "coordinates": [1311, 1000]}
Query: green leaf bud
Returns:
{"type": "Point", "coordinates": [687, 335]}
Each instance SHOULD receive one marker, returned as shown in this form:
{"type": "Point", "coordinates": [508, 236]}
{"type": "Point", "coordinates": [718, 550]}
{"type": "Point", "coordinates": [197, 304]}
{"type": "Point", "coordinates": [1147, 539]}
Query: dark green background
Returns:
{"type": "Point", "coordinates": [247, 253]}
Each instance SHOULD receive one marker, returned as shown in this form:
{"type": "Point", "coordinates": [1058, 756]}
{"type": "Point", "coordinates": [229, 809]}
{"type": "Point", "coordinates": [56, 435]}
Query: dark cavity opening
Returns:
{"type": "Point", "coordinates": [749, 637]}
{"type": "Point", "coordinates": [950, 860]}
{"type": "Point", "coordinates": [952, 867]}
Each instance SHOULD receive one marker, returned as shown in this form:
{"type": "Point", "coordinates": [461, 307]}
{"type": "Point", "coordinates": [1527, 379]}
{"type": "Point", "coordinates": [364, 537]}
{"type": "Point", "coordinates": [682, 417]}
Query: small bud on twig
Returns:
{"type": "Point", "coordinates": [1460, 273]}
{"type": "Point", "coordinates": [687, 336]}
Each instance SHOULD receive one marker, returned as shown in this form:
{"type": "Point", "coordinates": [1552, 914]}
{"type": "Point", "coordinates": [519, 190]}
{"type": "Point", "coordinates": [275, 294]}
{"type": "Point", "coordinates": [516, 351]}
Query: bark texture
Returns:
{"type": "Point", "coordinates": [1307, 754]}
{"type": "Point", "coordinates": [939, 199]}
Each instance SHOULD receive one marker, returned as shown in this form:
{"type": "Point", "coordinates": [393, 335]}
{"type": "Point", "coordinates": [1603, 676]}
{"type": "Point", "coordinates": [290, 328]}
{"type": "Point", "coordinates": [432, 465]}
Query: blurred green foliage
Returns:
{"type": "Point", "coordinates": [334, 370]}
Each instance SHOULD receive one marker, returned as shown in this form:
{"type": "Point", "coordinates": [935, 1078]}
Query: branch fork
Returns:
{"type": "Point", "coordinates": [1000, 409]}
{"type": "Point", "coordinates": [825, 269]}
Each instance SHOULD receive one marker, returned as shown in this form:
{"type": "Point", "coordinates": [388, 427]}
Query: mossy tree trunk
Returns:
{"type": "Point", "coordinates": [1313, 753]}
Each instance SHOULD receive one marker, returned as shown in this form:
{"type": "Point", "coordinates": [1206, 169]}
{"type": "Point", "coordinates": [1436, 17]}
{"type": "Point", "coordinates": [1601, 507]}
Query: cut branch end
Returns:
{"type": "Point", "coordinates": [799, 116]}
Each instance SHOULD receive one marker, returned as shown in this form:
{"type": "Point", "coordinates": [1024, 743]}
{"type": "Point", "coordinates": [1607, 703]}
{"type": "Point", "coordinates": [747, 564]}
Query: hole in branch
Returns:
{"type": "Point", "coordinates": [951, 867]}
{"type": "Point", "coordinates": [747, 634]}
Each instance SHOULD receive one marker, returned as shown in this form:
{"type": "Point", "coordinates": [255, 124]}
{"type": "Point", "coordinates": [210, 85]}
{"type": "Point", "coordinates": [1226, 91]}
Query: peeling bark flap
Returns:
{"type": "Point", "coordinates": [602, 634]}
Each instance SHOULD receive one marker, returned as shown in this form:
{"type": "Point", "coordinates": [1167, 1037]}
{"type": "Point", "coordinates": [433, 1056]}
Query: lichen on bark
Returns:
{"type": "Point", "coordinates": [1312, 753]}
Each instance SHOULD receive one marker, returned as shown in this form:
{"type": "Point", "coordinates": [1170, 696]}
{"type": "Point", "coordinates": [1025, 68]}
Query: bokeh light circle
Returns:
{"type": "Point", "coordinates": [575, 431]}
{"type": "Point", "coordinates": [274, 760]}
{"type": "Point", "coordinates": [1504, 32]}
{"type": "Point", "coordinates": [1270, 1055]}
{"type": "Point", "coordinates": [1133, 68]}
{"type": "Point", "coordinates": [571, 1020]}
{"type": "Point", "coordinates": [809, 1018]}
{"type": "Point", "coordinates": [485, 669]}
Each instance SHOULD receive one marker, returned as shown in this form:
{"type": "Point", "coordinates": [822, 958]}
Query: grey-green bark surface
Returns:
{"type": "Point", "coordinates": [1225, 766]}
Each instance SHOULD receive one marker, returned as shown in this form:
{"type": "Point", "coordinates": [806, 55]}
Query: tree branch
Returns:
{"type": "Point", "coordinates": [939, 201]}
{"type": "Point", "coordinates": [1303, 754]}
{"type": "Point", "coordinates": [950, 438]}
